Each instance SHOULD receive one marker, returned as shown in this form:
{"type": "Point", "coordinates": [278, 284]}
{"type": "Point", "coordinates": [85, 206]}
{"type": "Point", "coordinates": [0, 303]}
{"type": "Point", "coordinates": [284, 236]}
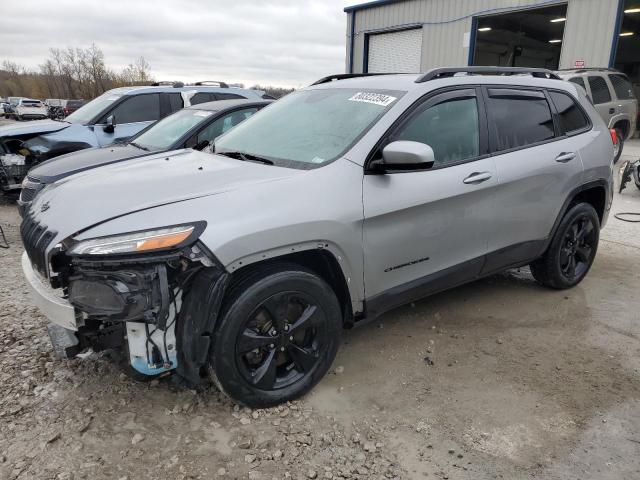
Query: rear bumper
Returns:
{"type": "Point", "coordinates": [56, 309]}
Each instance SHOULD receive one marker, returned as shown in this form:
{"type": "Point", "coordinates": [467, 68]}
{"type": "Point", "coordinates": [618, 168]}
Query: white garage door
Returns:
{"type": "Point", "coordinates": [395, 51]}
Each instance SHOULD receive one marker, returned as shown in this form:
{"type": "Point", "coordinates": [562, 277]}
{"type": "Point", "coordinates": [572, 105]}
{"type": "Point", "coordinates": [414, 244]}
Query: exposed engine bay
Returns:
{"type": "Point", "coordinates": [15, 162]}
{"type": "Point", "coordinates": [25, 146]}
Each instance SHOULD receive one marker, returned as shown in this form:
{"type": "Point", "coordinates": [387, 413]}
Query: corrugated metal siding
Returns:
{"type": "Point", "coordinates": [588, 33]}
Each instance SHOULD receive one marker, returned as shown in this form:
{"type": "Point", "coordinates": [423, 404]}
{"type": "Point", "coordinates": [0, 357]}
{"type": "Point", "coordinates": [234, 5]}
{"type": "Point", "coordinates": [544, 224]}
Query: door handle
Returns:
{"type": "Point", "coordinates": [565, 157]}
{"type": "Point", "coordinates": [477, 177]}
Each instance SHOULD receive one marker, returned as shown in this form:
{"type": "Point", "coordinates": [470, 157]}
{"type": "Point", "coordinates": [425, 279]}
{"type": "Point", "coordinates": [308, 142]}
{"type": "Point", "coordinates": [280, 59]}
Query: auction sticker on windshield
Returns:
{"type": "Point", "coordinates": [375, 98]}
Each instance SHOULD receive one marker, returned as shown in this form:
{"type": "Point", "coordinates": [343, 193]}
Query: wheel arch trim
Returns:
{"type": "Point", "coordinates": [354, 283]}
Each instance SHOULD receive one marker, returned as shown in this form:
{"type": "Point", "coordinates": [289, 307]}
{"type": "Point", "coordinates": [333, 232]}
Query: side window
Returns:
{"type": "Point", "coordinates": [202, 97]}
{"type": "Point", "coordinates": [624, 90]}
{"type": "Point", "coordinates": [223, 124]}
{"type": "Point", "coordinates": [227, 96]}
{"type": "Point", "coordinates": [175, 101]}
{"type": "Point", "coordinates": [578, 81]}
{"type": "Point", "coordinates": [519, 118]}
{"type": "Point", "coordinates": [141, 108]}
{"type": "Point", "coordinates": [450, 128]}
{"type": "Point", "coordinates": [571, 116]}
{"type": "Point", "coordinates": [599, 89]}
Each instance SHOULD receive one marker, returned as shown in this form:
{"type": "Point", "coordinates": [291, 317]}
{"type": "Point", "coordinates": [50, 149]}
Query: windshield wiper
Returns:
{"type": "Point", "coordinates": [246, 157]}
{"type": "Point", "coordinates": [137, 145]}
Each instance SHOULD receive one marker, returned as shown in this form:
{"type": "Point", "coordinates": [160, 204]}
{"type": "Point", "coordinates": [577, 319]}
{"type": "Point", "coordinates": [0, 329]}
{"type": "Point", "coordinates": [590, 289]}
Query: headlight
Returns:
{"type": "Point", "coordinates": [136, 242]}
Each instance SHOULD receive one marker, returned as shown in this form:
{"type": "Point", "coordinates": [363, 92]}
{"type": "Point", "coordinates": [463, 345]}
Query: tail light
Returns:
{"type": "Point", "coordinates": [66, 110]}
{"type": "Point", "coordinates": [614, 135]}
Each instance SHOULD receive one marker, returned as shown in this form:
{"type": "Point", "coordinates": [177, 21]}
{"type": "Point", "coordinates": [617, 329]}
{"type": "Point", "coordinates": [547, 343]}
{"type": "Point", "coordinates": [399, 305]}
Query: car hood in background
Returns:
{"type": "Point", "coordinates": [60, 167]}
{"type": "Point", "coordinates": [86, 199]}
{"type": "Point", "coordinates": [73, 137]}
{"type": "Point", "coordinates": [35, 127]}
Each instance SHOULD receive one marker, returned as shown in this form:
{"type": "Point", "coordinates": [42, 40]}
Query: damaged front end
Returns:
{"type": "Point", "coordinates": [133, 301]}
{"type": "Point", "coordinates": [14, 165]}
{"type": "Point", "coordinates": [16, 158]}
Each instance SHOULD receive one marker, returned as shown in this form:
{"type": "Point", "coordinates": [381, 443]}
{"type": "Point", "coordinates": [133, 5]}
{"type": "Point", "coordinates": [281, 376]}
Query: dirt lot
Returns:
{"type": "Point", "coordinates": [497, 379]}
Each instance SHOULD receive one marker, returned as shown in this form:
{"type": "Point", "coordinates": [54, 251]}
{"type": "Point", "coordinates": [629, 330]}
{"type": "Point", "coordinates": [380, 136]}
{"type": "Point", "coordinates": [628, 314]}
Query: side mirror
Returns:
{"type": "Point", "coordinates": [110, 124]}
{"type": "Point", "coordinates": [201, 145]}
{"type": "Point", "coordinates": [407, 155]}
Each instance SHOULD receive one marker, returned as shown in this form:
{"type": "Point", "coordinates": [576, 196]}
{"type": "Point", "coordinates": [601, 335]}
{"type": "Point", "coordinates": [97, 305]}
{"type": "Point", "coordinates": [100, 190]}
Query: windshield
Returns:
{"type": "Point", "coordinates": [93, 108]}
{"type": "Point", "coordinates": [309, 127]}
{"type": "Point", "coordinates": [165, 132]}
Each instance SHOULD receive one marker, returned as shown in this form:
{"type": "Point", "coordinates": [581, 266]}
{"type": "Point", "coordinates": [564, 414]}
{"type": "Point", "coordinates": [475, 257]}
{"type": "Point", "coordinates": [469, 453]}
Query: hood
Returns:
{"type": "Point", "coordinates": [66, 165]}
{"type": "Point", "coordinates": [73, 137]}
{"type": "Point", "coordinates": [35, 127]}
{"type": "Point", "coordinates": [86, 199]}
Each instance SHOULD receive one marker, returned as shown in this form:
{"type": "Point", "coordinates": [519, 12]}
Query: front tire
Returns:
{"type": "Point", "coordinates": [617, 153]}
{"type": "Point", "coordinates": [278, 335]}
{"type": "Point", "coordinates": [572, 250]}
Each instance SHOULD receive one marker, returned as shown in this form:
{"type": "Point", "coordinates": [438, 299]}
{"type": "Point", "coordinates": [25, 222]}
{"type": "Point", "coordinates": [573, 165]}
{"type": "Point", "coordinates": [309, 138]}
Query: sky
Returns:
{"type": "Point", "coordinates": [286, 43]}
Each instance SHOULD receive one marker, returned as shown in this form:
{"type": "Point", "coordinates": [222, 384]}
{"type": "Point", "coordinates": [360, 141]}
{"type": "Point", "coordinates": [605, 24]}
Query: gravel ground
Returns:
{"type": "Point", "coordinates": [497, 379]}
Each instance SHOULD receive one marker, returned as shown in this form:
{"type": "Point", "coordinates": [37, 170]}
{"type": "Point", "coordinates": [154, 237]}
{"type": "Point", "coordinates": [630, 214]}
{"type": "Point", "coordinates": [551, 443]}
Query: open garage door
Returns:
{"type": "Point", "coordinates": [627, 53]}
{"type": "Point", "coordinates": [395, 51]}
{"type": "Point", "coordinates": [524, 38]}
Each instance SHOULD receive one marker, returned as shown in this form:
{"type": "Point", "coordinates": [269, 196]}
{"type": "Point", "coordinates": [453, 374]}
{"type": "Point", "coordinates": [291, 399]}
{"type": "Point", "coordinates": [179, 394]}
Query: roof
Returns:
{"type": "Point", "coordinates": [220, 105]}
{"type": "Point", "coordinates": [372, 4]}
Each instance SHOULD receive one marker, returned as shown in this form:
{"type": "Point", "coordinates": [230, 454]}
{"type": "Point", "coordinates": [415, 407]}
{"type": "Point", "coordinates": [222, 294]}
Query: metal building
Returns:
{"type": "Point", "coordinates": [416, 35]}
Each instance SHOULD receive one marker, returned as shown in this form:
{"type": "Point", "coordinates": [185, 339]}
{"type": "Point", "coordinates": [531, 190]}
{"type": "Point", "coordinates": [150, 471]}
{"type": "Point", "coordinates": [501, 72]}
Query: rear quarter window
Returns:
{"type": "Point", "coordinates": [519, 118]}
{"type": "Point", "coordinates": [622, 87]}
{"type": "Point", "coordinates": [572, 118]}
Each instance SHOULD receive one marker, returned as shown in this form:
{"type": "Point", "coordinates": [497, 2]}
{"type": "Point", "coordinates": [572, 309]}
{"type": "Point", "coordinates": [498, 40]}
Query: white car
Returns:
{"type": "Point", "coordinates": [29, 108]}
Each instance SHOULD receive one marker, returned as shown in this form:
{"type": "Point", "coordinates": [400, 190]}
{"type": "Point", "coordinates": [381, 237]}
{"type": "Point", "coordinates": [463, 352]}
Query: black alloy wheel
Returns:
{"type": "Point", "coordinates": [572, 249]}
{"type": "Point", "coordinates": [277, 335]}
{"type": "Point", "coordinates": [578, 248]}
{"type": "Point", "coordinates": [281, 341]}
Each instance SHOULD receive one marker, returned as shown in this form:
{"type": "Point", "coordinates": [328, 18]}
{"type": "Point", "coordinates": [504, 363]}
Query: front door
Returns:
{"type": "Point", "coordinates": [131, 116]}
{"type": "Point", "coordinates": [427, 230]}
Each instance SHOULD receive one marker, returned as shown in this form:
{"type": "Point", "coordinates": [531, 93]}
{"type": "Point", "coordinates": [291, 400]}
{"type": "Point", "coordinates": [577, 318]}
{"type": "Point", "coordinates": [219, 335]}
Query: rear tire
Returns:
{"type": "Point", "coordinates": [572, 250]}
{"type": "Point", "coordinates": [619, 147]}
{"type": "Point", "coordinates": [278, 335]}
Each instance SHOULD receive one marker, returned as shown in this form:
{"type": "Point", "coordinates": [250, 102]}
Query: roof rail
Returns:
{"type": "Point", "coordinates": [211, 83]}
{"type": "Point", "coordinates": [166, 83]}
{"type": "Point", "coordinates": [450, 72]}
{"type": "Point", "coordinates": [343, 76]}
{"type": "Point", "coordinates": [588, 69]}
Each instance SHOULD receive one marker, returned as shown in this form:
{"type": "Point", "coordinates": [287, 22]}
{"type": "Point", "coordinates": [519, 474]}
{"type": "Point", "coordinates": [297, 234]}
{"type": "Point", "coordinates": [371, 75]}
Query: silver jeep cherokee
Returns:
{"type": "Point", "coordinates": [333, 205]}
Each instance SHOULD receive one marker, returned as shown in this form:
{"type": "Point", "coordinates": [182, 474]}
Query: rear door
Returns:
{"type": "Point", "coordinates": [537, 164]}
{"type": "Point", "coordinates": [423, 222]}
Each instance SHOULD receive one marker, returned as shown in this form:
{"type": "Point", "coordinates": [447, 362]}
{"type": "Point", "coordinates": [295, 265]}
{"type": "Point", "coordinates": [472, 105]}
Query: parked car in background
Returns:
{"type": "Point", "coordinates": [9, 109]}
{"type": "Point", "coordinates": [30, 109]}
{"type": "Point", "coordinates": [114, 116]}
{"type": "Point", "coordinates": [71, 106]}
{"type": "Point", "coordinates": [192, 127]}
{"type": "Point", "coordinates": [3, 104]}
{"type": "Point", "coordinates": [612, 94]}
{"type": "Point", "coordinates": [333, 205]}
